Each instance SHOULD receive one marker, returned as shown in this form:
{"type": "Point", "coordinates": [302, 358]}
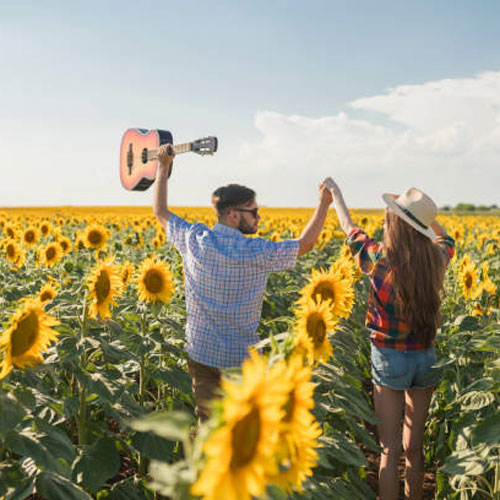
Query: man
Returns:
{"type": "Point", "coordinates": [225, 276]}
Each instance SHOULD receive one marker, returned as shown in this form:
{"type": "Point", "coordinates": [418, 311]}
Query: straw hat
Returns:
{"type": "Point", "coordinates": [415, 208]}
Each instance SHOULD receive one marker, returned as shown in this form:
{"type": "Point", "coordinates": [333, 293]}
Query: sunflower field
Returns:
{"type": "Point", "coordinates": [96, 401]}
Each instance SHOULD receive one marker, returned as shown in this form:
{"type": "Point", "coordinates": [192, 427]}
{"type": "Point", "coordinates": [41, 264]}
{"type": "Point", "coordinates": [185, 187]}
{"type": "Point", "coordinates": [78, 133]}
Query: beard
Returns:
{"type": "Point", "coordinates": [246, 228]}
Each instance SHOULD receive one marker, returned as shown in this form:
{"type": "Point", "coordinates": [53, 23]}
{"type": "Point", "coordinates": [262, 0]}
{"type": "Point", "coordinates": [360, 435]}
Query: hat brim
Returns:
{"type": "Point", "coordinates": [391, 203]}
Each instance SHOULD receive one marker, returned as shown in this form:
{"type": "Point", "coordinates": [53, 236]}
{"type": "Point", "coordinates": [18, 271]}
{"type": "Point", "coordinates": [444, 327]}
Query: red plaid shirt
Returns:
{"type": "Point", "coordinates": [381, 318]}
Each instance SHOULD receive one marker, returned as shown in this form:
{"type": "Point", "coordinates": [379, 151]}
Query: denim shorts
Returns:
{"type": "Point", "coordinates": [402, 370]}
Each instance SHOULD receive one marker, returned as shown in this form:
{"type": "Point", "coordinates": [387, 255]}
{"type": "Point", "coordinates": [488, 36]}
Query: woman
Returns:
{"type": "Point", "coordinates": [406, 273]}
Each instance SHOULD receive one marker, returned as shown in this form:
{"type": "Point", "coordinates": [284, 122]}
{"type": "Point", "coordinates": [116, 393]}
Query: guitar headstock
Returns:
{"type": "Point", "coordinates": [205, 145]}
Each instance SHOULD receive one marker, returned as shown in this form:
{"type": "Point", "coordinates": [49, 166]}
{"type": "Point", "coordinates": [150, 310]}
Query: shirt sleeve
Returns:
{"type": "Point", "coordinates": [280, 255]}
{"type": "Point", "coordinates": [177, 229]}
{"type": "Point", "coordinates": [447, 245]}
{"type": "Point", "coordinates": [365, 250]}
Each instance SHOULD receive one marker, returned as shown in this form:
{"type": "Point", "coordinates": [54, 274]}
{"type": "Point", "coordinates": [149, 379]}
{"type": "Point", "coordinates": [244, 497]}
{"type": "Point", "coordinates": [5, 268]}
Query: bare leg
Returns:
{"type": "Point", "coordinates": [389, 405]}
{"type": "Point", "coordinates": [416, 411]}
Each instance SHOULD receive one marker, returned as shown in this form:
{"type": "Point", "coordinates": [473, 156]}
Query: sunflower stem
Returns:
{"type": "Point", "coordinates": [81, 420]}
{"type": "Point", "coordinates": [142, 389]}
{"type": "Point", "coordinates": [142, 371]}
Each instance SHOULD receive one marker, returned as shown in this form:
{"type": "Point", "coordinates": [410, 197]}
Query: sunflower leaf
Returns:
{"type": "Point", "coordinates": [175, 377]}
{"type": "Point", "coordinates": [488, 431]}
{"type": "Point", "coordinates": [11, 413]}
{"type": "Point", "coordinates": [343, 450]}
{"type": "Point", "coordinates": [29, 444]}
{"type": "Point", "coordinates": [153, 446]}
{"type": "Point", "coordinates": [174, 425]}
{"type": "Point", "coordinates": [55, 487]}
{"type": "Point", "coordinates": [96, 464]}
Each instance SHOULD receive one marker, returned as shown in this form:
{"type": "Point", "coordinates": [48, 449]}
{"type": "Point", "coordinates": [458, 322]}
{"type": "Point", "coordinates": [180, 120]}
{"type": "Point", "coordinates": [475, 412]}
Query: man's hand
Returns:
{"type": "Point", "coordinates": [166, 155]}
{"type": "Point", "coordinates": [325, 195]}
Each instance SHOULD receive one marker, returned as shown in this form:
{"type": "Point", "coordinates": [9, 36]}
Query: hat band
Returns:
{"type": "Point", "coordinates": [411, 216]}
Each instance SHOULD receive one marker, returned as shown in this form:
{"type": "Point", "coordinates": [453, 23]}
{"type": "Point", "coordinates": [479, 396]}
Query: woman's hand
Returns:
{"type": "Point", "coordinates": [332, 185]}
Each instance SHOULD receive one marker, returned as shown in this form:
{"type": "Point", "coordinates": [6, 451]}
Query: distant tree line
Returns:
{"type": "Point", "coordinates": [469, 207]}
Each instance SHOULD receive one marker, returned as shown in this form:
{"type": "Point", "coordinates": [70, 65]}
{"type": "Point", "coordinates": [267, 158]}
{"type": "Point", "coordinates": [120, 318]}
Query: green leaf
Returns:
{"type": "Point", "coordinates": [354, 404]}
{"type": "Point", "coordinates": [174, 425]}
{"type": "Point", "coordinates": [11, 413]}
{"type": "Point", "coordinates": [115, 327]}
{"type": "Point", "coordinates": [125, 490]}
{"type": "Point", "coordinates": [343, 450]}
{"type": "Point", "coordinates": [482, 384]}
{"type": "Point", "coordinates": [28, 444]}
{"type": "Point", "coordinates": [115, 351]}
{"type": "Point", "coordinates": [175, 377]}
{"type": "Point", "coordinates": [475, 400]}
{"type": "Point", "coordinates": [96, 464]}
{"type": "Point", "coordinates": [104, 388]}
{"type": "Point", "coordinates": [56, 441]}
{"type": "Point", "coordinates": [68, 349]}
{"type": "Point", "coordinates": [469, 324]}
{"type": "Point", "coordinates": [71, 406]}
{"type": "Point", "coordinates": [54, 487]}
{"type": "Point", "coordinates": [153, 446]}
{"type": "Point", "coordinates": [465, 462]}
{"type": "Point", "coordinates": [488, 431]}
{"type": "Point", "coordinates": [21, 491]}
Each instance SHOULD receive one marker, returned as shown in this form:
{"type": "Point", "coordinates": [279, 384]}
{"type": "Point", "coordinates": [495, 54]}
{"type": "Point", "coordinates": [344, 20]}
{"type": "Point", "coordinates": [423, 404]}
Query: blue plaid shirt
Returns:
{"type": "Point", "coordinates": [225, 275]}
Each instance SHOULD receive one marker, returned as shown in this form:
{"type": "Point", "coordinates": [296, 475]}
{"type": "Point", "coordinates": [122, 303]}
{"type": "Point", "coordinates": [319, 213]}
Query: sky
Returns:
{"type": "Point", "coordinates": [380, 96]}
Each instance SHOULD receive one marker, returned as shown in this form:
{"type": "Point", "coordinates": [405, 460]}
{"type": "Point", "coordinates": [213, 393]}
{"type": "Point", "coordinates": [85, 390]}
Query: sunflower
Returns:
{"type": "Point", "coordinates": [30, 236]}
{"type": "Point", "coordinates": [95, 236]}
{"type": "Point", "coordinates": [324, 237]}
{"type": "Point", "coordinates": [11, 231]}
{"type": "Point", "coordinates": [330, 287]}
{"type": "Point", "coordinates": [65, 244]}
{"type": "Point", "coordinates": [12, 251]}
{"type": "Point", "coordinates": [127, 270]}
{"type": "Point", "coordinates": [488, 285]}
{"type": "Point", "coordinates": [464, 261]}
{"type": "Point", "coordinates": [161, 235]}
{"type": "Point", "coordinates": [28, 335]}
{"type": "Point", "coordinates": [21, 259]}
{"type": "Point", "coordinates": [47, 293]}
{"type": "Point", "coordinates": [478, 310]}
{"type": "Point", "coordinates": [156, 242]}
{"type": "Point", "coordinates": [457, 233]}
{"type": "Point", "coordinates": [45, 228]}
{"type": "Point", "coordinates": [80, 242]}
{"type": "Point", "coordinates": [105, 285]}
{"type": "Point", "coordinates": [299, 432]}
{"type": "Point", "coordinates": [344, 267]}
{"type": "Point", "coordinates": [50, 254]}
{"type": "Point", "coordinates": [468, 279]}
{"type": "Point", "coordinates": [155, 281]}
{"type": "Point", "coordinates": [240, 452]}
{"type": "Point", "coordinates": [139, 242]}
{"type": "Point", "coordinates": [314, 322]}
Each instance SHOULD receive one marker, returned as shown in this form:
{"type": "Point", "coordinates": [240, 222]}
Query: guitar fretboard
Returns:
{"type": "Point", "coordinates": [185, 147]}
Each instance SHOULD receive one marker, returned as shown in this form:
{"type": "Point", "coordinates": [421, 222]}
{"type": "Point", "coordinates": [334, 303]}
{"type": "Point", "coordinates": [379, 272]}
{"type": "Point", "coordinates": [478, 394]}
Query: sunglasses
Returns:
{"type": "Point", "coordinates": [253, 211]}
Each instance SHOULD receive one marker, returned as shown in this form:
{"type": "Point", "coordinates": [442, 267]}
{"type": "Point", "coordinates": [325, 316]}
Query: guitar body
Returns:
{"type": "Point", "coordinates": [137, 172]}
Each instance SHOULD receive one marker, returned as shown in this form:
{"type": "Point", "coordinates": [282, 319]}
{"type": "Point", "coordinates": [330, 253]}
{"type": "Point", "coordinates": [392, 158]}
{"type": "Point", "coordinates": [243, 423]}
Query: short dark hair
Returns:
{"type": "Point", "coordinates": [230, 196]}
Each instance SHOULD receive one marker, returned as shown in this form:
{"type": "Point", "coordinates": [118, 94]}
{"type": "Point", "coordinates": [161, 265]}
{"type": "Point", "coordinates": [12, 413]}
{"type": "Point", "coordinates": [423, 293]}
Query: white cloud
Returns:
{"type": "Point", "coordinates": [446, 140]}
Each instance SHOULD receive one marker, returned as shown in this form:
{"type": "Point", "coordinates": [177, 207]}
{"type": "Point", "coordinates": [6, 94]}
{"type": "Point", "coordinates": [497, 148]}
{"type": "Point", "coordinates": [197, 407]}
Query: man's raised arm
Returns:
{"type": "Point", "coordinates": [311, 232]}
{"type": "Point", "coordinates": [160, 207]}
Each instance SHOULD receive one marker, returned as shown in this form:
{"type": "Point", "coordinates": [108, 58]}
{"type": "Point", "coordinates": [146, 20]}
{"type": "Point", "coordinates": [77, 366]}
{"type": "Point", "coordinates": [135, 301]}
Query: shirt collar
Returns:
{"type": "Point", "coordinates": [222, 228]}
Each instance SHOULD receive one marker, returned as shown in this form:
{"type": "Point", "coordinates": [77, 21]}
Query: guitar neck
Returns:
{"type": "Point", "coordinates": [184, 147]}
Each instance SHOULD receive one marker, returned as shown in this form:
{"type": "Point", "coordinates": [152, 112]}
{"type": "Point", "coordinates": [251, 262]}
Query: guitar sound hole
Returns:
{"type": "Point", "coordinates": [145, 155]}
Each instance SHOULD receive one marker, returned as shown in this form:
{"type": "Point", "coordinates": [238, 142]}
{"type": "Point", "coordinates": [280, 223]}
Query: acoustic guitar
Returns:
{"type": "Point", "coordinates": [139, 150]}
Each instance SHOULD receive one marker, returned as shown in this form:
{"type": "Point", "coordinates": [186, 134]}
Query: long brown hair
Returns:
{"type": "Point", "coordinates": [418, 268]}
